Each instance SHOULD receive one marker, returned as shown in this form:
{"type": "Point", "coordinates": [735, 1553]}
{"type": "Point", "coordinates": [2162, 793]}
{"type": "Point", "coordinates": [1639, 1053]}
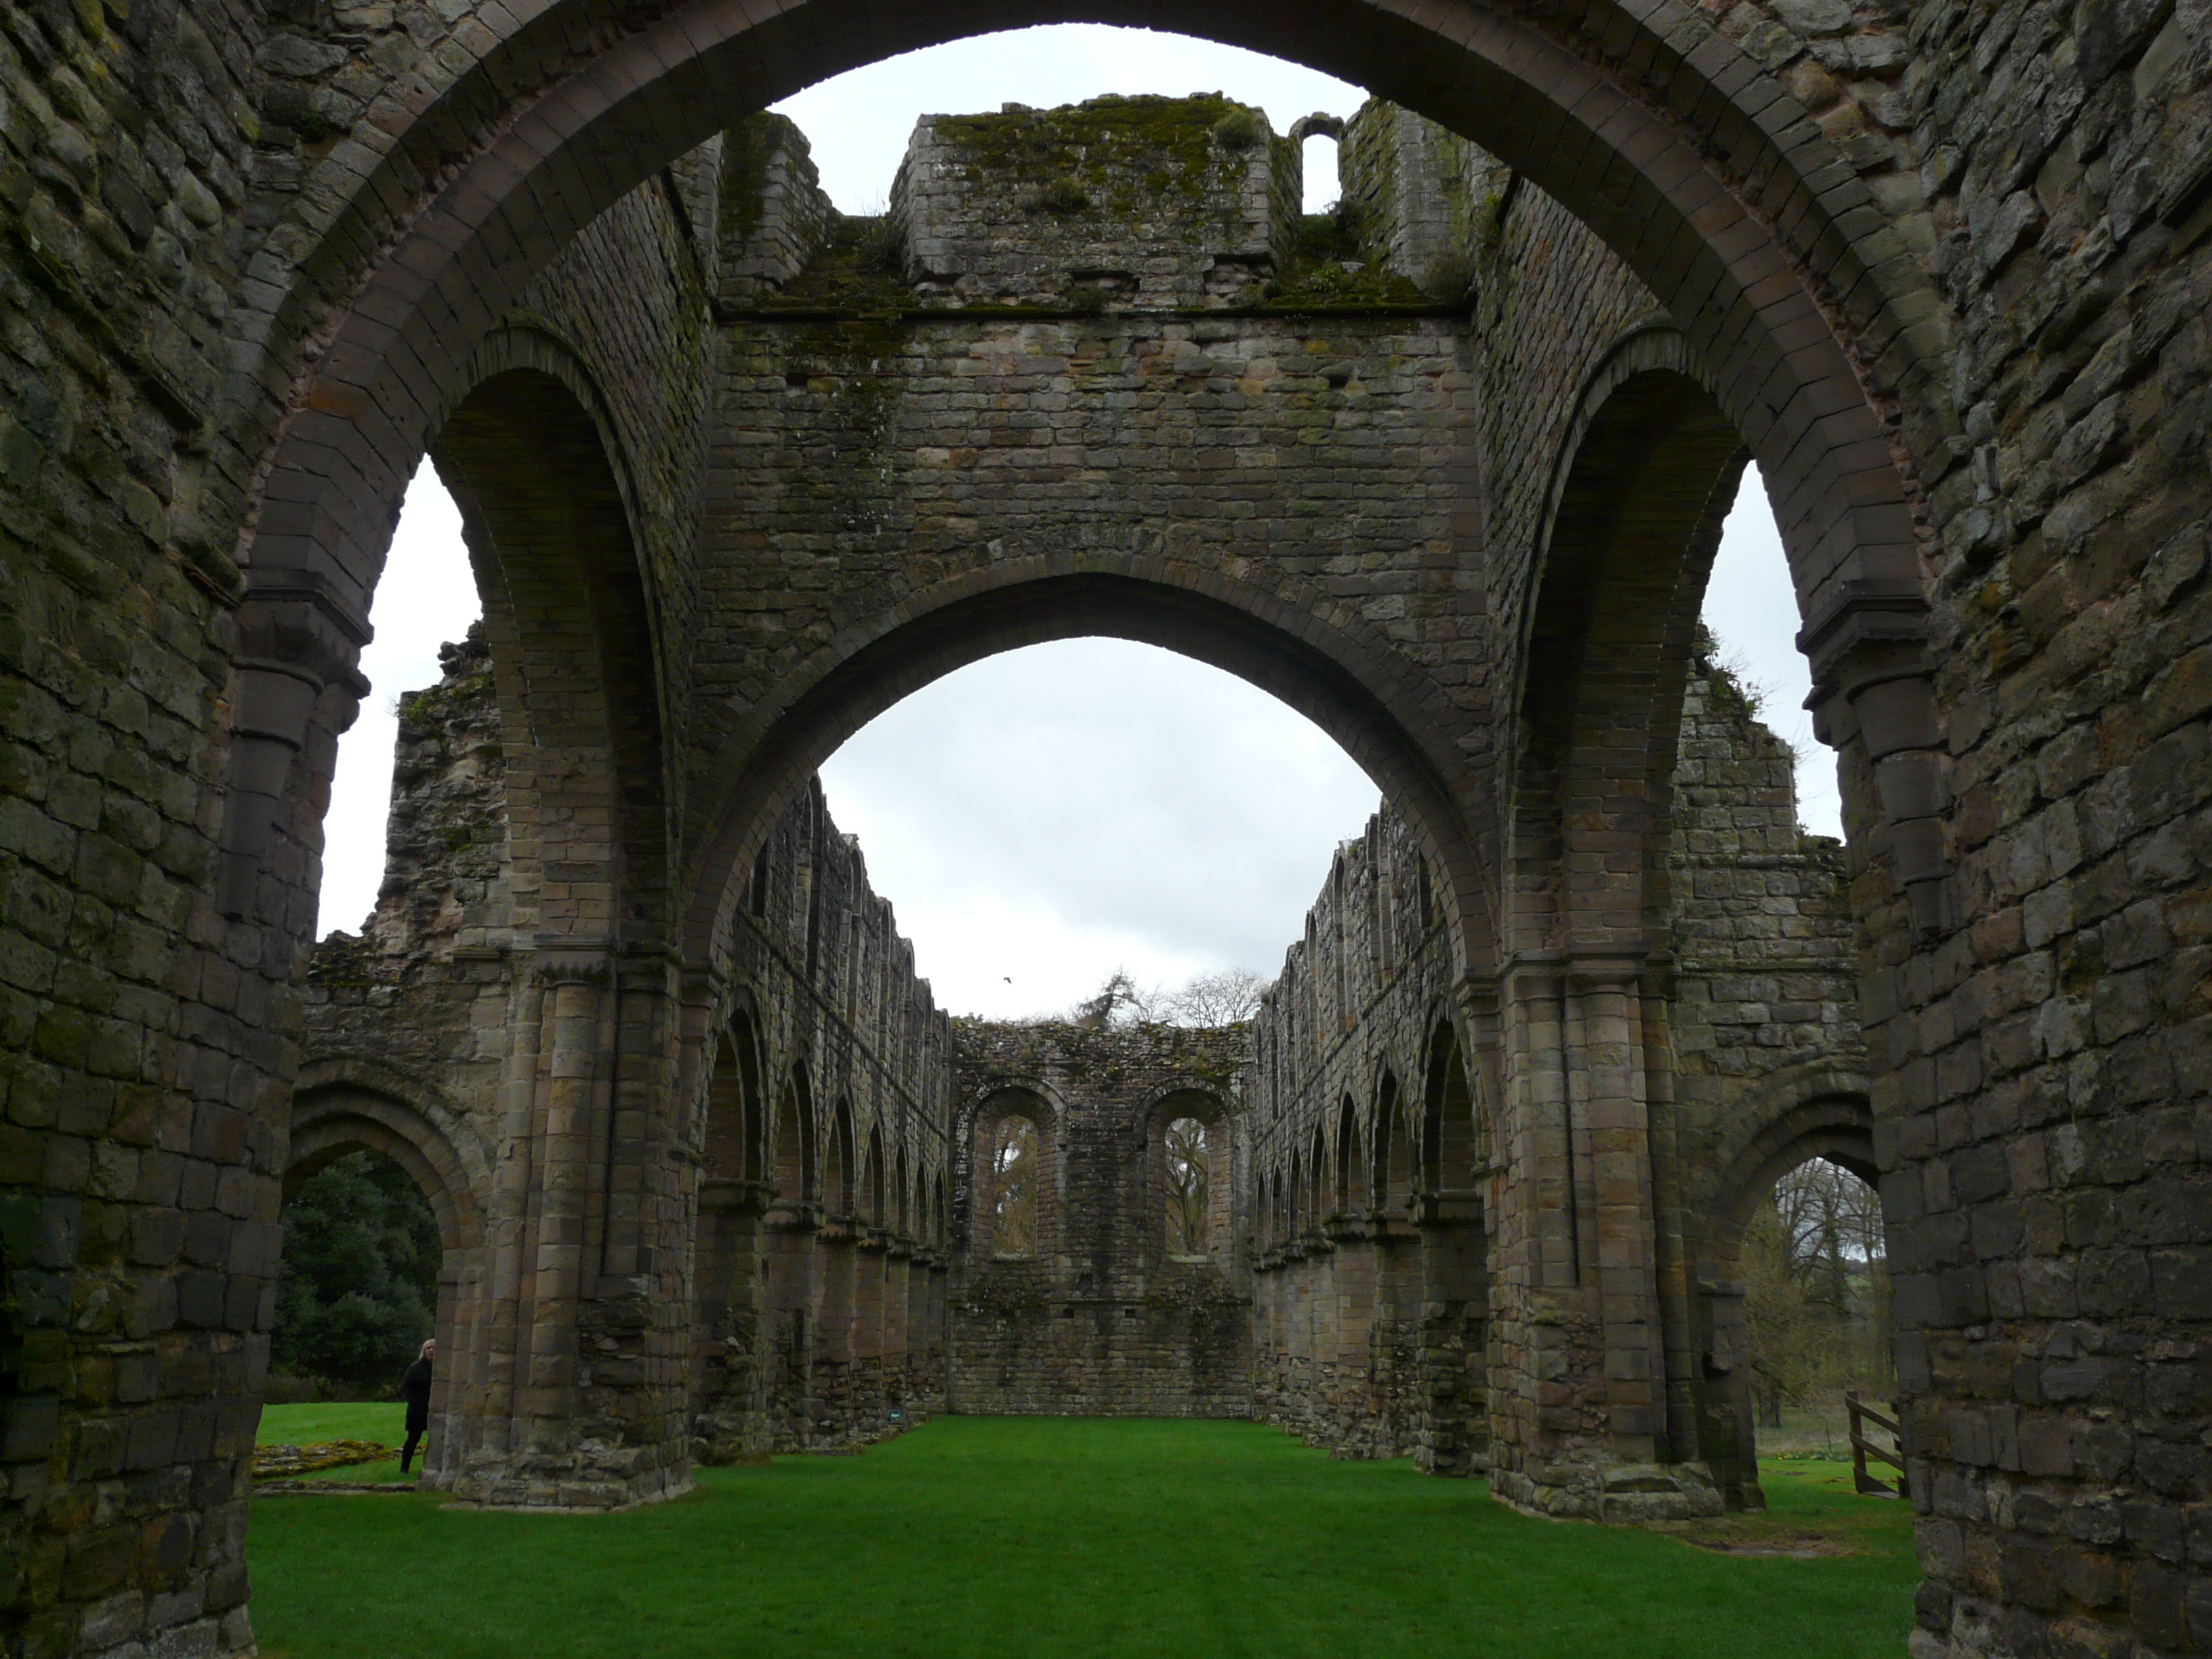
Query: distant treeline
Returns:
{"type": "Point", "coordinates": [359, 1280]}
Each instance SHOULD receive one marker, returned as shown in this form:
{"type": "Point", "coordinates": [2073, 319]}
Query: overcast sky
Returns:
{"type": "Point", "coordinates": [1045, 817]}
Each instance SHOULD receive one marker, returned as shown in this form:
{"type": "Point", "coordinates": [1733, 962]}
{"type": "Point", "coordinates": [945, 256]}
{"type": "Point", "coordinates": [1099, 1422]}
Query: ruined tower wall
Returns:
{"type": "Point", "coordinates": [1102, 1316]}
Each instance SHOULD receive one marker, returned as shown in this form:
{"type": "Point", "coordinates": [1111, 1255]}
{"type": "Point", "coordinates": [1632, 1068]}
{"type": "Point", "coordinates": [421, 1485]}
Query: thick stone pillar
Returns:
{"type": "Point", "coordinates": [730, 1333]}
{"type": "Point", "coordinates": [940, 1339]}
{"type": "Point", "coordinates": [1452, 1437]}
{"type": "Point", "coordinates": [1600, 1418]}
{"type": "Point", "coordinates": [1393, 1341]}
{"type": "Point", "coordinates": [577, 1372]}
{"type": "Point", "coordinates": [1612, 1150]}
{"type": "Point", "coordinates": [872, 1394]}
{"type": "Point", "coordinates": [1347, 1421]}
{"type": "Point", "coordinates": [830, 1396]}
{"type": "Point", "coordinates": [790, 1228]}
{"type": "Point", "coordinates": [898, 1257]}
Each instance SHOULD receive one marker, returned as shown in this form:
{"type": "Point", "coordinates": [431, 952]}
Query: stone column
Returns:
{"type": "Point", "coordinates": [1727, 1416]}
{"type": "Point", "coordinates": [1348, 1422]}
{"type": "Point", "coordinates": [871, 1401]}
{"type": "Point", "coordinates": [941, 1335]}
{"type": "Point", "coordinates": [790, 1229]}
{"type": "Point", "coordinates": [830, 1402]}
{"type": "Point", "coordinates": [898, 1384]}
{"type": "Point", "coordinates": [1452, 1437]}
{"type": "Point", "coordinates": [729, 1334]}
{"type": "Point", "coordinates": [1612, 1193]}
{"type": "Point", "coordinates": [1394, 1341]}
{"type": "Point", "coordinates": [578, 1363]}
{"type": "Point", "coordinates": [1589, 1344]}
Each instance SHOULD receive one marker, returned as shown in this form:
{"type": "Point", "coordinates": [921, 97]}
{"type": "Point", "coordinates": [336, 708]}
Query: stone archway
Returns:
{"type": "Point", "coordinates": [345, 1106]}
{"type": "Point", "coordinates": [1807, 1112]}
{"type": "Point", "coordinates": [263, 375]}
{"type": "Point", "coordinates": [1685, 192]}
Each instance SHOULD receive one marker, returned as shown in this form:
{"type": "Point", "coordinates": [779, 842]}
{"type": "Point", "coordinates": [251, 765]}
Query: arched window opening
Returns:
{"type": "Point", "coordinates": [1816, 1301]}
{"type": "Point", "coordinates": [735, 1131]}
{"type": "Point", "coordinates": [1394, 1150]}
{"type": "Point", "coordinates": [877, 1214]}
{"type": "Point", "coordinates": [1324, 177]}
{"type": "Point", "coordinates": [1447, 1131]}
{"type": "Point", "coordinates": [1317, 1167]}
{"type": "Point", "coordinates": [357, 1287]}
{"type": "Point", "coordinates": [1014, 1165]}
{"type": "Point", "coordinates": [1190, 1189]}
{"type": "Point", "coordinates": [1348, 1196]}
{"type": "Point", "coordinates": [839, 1184]}
{"type": "Point", "coordinates": [794, 1148]}
{"type": "Point", "coordinates": [899, 1190]}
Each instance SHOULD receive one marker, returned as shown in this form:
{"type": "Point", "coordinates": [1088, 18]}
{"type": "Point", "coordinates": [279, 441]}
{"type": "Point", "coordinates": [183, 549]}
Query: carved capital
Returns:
{"type": "Point", "coordinates": [299, 623]}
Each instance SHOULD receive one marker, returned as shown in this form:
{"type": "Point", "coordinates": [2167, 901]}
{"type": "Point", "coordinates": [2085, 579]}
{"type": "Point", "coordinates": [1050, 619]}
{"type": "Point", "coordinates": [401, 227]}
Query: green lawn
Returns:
{"type": "Point", "coordinates": [1041, 1536]}
{"type": "Point", "coordinates": [383, 1421]}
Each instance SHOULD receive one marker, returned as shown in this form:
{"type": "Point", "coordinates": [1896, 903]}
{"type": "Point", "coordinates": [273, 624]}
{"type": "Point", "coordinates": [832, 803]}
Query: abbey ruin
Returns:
{"type": "Point", "coordinates": [857, 1263]}
{"type": "Point", "coordinates": [1444, 472]}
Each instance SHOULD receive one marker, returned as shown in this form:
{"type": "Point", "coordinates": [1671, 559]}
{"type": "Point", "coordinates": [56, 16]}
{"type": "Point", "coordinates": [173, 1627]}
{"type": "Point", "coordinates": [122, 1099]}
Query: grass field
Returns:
{"type": "Point", "coordinates": [1046, 1536]}
{"type": "Point", "coordinates": [383, 1421]}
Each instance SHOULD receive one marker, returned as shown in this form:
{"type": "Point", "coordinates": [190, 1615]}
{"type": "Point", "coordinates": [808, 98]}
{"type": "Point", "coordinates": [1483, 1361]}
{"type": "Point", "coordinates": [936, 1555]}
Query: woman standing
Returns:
{"type": "Point", "coordinates": [415, 1390]}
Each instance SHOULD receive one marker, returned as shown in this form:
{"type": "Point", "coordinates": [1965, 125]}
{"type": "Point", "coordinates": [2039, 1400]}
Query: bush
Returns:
{"type": "Point", "coordinates": [1240, 130]}
{"type": "Point", "coordinates": [358, 1288]}
{"type": "Point", "coordinates": [1061, 196]}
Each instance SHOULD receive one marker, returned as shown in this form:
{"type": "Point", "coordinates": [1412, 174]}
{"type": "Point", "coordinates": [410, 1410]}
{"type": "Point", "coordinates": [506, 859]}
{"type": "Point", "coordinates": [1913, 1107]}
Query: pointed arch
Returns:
{"type": "Point", "coordinates": [1448, 1130]}
{"type": "Point", "coordinates": [794, 1172]}
{"type": "Point", "coordinates": [1349, 1161]}
{"type": "Point", "coordinates": [876, 1196]}
{"type": "Point", "coordinates": [1392, 1167]}
{"type": "Point", "coordinates": [840, 1176]}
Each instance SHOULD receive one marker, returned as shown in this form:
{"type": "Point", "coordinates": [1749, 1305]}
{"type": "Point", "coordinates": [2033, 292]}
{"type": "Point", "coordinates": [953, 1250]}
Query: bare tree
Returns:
{"type": "Point", "coordinates": [1190, 1188]}
{"type": "Point", "coordinates": [1227, 998]}
{"type": "Point", "coordinates": [1816, 1288]}
{"type": "Point", "coordinates": [1119, 1000]}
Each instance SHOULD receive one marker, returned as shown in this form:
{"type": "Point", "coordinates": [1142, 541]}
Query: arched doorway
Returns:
{"type": "Point", "coordinates": [346, 1114]}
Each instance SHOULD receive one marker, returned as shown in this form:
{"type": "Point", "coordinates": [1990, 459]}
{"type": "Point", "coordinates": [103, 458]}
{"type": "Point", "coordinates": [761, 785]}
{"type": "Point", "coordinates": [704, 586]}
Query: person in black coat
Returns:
{"type": "Point", "coordinates": [415, 1390]}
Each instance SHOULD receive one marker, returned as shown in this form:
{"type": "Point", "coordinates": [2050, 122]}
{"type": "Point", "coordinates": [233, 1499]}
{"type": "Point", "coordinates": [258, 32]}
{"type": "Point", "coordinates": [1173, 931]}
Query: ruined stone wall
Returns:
{"type": "Point", "coordinates": [143, 1063]}
{"type": "Point", "coordinates": [1376, 1166]}
{"type": "Point", "coordinates": [1100, 1317]}
{"type": "Point", "coordinates": [1152, 201]}
{"type": "Point", "coordinates": [853, 1160]}
{"type": "Point", "coordinates": [1370, 1294]}
{"type": "Point", "coordinates": [1951, 261]}
{"type": "Point", "coordinates": [406, 1032]}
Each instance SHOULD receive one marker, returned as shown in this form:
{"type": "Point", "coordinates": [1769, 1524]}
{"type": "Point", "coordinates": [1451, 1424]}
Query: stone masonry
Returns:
{"type": "Point", "coordinates": [1379, 1182]}
{"type": "Point", "coordinates": [1104, 1317]}
{"type": "Point", "coordinates": [818, 1155]}
{"type": "Point", "coordinates": [1942, 268]}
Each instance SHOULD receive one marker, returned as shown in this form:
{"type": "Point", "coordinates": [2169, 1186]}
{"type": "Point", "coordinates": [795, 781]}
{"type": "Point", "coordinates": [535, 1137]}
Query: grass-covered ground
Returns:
{"type": "Point", "coordinates": [382, 1421]}
{"type": "Point", "coordinates": [1043, 1536]}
